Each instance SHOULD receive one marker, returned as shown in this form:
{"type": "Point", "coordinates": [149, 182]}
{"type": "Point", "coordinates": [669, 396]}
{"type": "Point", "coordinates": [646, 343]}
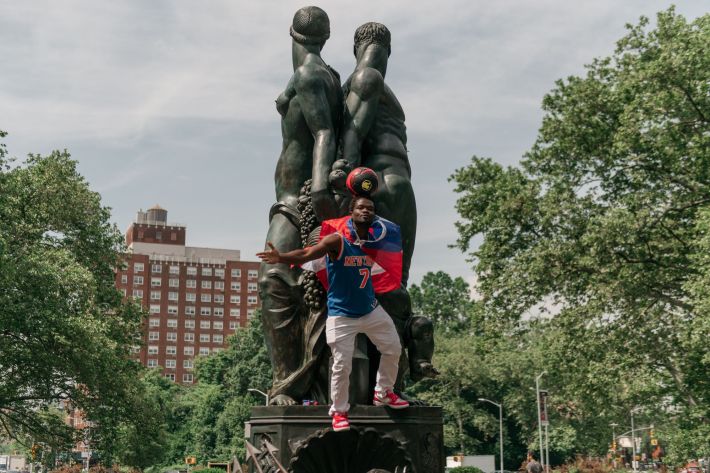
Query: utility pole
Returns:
{"type": "Point", "coordinates": [539, 415]}
{"type": "Point", "coordinates": [633, 441]}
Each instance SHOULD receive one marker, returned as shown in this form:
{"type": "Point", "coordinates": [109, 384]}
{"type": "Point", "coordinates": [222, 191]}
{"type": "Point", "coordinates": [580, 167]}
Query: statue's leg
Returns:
{"type": "Point", "coordinates": [282, 306]}
{"type": "Point", "coordinates": [421, 348]}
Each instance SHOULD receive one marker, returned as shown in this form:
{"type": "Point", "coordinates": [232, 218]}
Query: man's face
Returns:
{"type": "Point", "coordinates": [363, 211]}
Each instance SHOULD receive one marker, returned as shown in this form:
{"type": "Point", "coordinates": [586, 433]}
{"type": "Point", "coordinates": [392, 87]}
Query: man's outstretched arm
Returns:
{"type": "Point", "coordinates": [330, 244]}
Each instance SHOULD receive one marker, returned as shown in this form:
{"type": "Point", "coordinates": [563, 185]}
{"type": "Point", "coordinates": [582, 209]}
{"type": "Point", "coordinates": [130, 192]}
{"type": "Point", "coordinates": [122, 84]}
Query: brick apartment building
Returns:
{"type": "Point", "coordinates": [195, 297]}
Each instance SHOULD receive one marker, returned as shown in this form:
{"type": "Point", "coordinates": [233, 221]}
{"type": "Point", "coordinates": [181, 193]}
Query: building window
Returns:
{"type": "Point", "coordinates": [123, 292]}
{"type": "Point", "coordinates": [170, 364]}
{"type": "Point", "coordinates": [173, 236]}
{"type": "Point", "coordinates": [172, 323]}
{"type": "Point", "coordinates": [251, 300]}
{"type": "Point", "coordinates": [152, 349]}
{"type": "Point", "coordinates": [236, 286]}
{"type": "Point", "coordinates": [191, 271]}
{"type": "Point", "coordinates": [158, 235]}
{"type": "Point", "coordinates": [205, 324]}
{"type": "Point", "coordinates": [174, 270]}
{"type": "Point", "coordinates": [138, 293]}
{"type": "Point", "coordinates": [219, 272]}
{"type": "Point", "coordinates": [252, 287]}
{"type": "Point", "coordinates": [189, 337]}
{"type": "Point", "coordinates": [207, 271]}
{"type": "Point", "coordinates": [154, 309]}
{"type": "Point", "coordinates": [205, 297]}
{"type": "Point", "coordinates": [187, 377]}
{"type": "Point", "coordinates": [205, 310]}
{"type": "Point", "coordinates": [124, 279]}
{"type": "Point", "coordinates": [155, 282]}
{"type": "Point", "coordinates": [232, 325]}
{"type": "Point", "coordinates": [189, 324]}
{"type": "Point", "coordinates": [154, 295]}
{"type": "Point", "coordinates": [138, 280]}
{"type": "Point", "coordinates": [171, 350]}
{"type": "Point", "coordinates": [190, 297]}
{"type": "Point", "coordinates": [204, 351]}
{"type": "Point", "coordinates": [174, 283]}
{"type": "Point", "coordinates": [137, 267]}
{"type": "Point", "coordinates": [217, 349]}
{"type": "Point", "coordinates": [153, 335]}
{"type": "Point", "coordinates": [172, 309]}
{"type": "Point", "coordinates": [234, 299]}
{"type": "Point", "coordinates": [172, 296]}
{"type": "Point", "coordinates": [187, 364]}
{"type": "Point", "coordinates": [219, 285]}
{"type": "Point", "coordinates": [154, 322]}
{"type": "Point", "coordinates": [234, 312]}
{"type": "Point", "coordinates": [250, 313]}
{"type": "Point", "coordinates": [253, 273]}
{"type": "Point", "coordinates": [156, 268]}
{"type": "Point", "coordinates": [206, 285]}
{"type": "Point", "coordinates": [170, 376]}
{"type": "Point", "coordinates": [236, 273]}
{"type": "Point", "coordinates": [189, 311]}
{"type": "Point", "coordinates": [191, 283]}
{"type": "Point", "coordinates": [204, 338]}
{"type": "Point", "coordinates": [218, 325]}
{"type": "Point", "coordinates": [218, 312]}
{"type": "Point", "coordinates": [171, 336]}
{"type": "Point", "coordinates": [152, 363]}
{"type": "Point", "coordinates": [217, 339]}
{"type": "Point", "coordinates": [188, 350]}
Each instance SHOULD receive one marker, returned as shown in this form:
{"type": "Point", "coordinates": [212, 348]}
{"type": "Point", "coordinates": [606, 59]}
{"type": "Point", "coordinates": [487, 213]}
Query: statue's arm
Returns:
{"type": "Point", "coordinates": [316, 111]}
{"type": "Point", "coordinates": [330, 244]}
{"type": "Point", "coordinates": [366, 86]}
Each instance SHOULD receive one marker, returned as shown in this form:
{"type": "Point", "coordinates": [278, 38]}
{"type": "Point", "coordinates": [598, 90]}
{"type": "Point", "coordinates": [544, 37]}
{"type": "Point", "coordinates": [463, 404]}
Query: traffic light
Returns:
{"type": "Point", "coordinates": [653, 433]}
{"type": "Point", "coordinates": [34, 451]}
{"type": "Point", "coordinates": [613, 446]}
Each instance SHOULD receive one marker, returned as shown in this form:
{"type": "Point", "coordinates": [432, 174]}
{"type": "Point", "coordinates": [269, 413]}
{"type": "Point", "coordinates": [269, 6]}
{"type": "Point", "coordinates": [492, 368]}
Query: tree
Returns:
{"type": "Point", "coordinates": [65, 333]}
{"type": "Point", "coordinates": [444, 300]}
{"type": "Point", "coordinates": [598, 226]}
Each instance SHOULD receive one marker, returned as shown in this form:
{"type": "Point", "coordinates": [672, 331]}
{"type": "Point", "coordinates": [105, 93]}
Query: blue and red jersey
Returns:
{"type": "Point", "coordinates": [350, 291]}
{"type": "Point", "coordinates": [384, 248]}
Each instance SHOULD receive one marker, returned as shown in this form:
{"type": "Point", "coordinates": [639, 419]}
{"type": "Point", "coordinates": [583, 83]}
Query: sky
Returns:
{"type": "Point", "coordinates": [171, 102]}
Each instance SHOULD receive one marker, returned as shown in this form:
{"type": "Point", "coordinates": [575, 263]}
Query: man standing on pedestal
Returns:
{"type": "Point", "coordinates": [352, 308]}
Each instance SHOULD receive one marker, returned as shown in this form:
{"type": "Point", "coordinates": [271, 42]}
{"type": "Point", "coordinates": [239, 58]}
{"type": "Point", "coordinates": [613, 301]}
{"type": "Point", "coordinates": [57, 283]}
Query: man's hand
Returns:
{"type": "Point", "coordinates": [271, 256]}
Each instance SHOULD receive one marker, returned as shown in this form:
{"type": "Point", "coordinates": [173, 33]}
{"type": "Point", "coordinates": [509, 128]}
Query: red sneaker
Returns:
{"type": "Point", "coordinates": [390, 399]}
{"type": "Point", "coordinates": [340, 421]}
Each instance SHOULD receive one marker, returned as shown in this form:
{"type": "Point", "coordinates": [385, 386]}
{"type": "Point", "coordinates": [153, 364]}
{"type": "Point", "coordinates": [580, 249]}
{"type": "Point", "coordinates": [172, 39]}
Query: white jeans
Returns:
{"type": "Point", "coordinates": [340, 333]}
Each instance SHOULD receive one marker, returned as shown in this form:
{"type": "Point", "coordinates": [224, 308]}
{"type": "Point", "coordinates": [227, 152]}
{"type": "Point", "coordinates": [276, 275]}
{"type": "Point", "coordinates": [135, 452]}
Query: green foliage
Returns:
{"type": "Point", "coordinates": [600, 237]}
{"type": "Point", "coordinates": [465, 469]}
{"type": "Point", "coordinates": [65, 333]}
{"type": "Point", "coordinates": [445, 301]}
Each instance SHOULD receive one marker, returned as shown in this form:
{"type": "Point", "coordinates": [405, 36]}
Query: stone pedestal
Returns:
{"type": "Point", "coordinates": [379, 438]}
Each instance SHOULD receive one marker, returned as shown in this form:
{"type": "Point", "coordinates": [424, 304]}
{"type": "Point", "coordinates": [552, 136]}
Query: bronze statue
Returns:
{"type": "Point", "coordinates": [311, 109]}
{"type": "Point", "coordinates": [374, 135]}
{"type": "Point", "coordinates": [309, 189]}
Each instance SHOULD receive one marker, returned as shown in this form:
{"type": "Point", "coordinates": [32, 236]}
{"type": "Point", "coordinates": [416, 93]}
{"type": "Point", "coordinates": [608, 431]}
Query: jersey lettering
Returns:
{"type": "Point", "coordinates": [365, 273]}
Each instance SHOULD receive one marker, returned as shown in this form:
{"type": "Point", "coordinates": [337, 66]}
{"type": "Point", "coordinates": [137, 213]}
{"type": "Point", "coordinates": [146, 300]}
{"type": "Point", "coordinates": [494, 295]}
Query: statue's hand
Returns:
{"type": "Point", "coordinates": [324, 204]}
{"type": "Point", "coordinates": [282, 400]}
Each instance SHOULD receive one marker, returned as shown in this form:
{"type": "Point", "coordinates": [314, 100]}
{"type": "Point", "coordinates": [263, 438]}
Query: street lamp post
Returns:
{"type": "Point", "coordinates": [613, 443]}
{"type": "Point", "coordinates": [252, 390]}
{"type": "Point", "coordinates": [539, 415]}
{"type": "Point", "coordinates": [500, 418]}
